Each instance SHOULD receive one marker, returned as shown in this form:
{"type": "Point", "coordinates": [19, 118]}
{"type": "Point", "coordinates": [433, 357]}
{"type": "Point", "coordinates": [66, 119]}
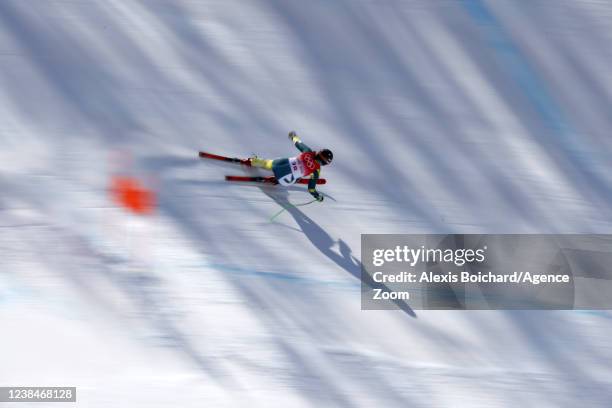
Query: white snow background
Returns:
{"type": "Point", "coordinates": [474, 116]}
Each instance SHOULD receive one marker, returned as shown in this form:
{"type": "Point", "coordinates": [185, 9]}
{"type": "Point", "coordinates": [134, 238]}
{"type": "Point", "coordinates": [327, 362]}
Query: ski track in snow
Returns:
{"type": "Point", "coordinates": [466, 116]}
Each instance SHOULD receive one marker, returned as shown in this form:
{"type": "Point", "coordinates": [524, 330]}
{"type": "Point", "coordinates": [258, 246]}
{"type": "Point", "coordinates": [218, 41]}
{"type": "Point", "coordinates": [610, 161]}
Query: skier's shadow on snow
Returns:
{"type": "Point", "coordinates": [324, 243]}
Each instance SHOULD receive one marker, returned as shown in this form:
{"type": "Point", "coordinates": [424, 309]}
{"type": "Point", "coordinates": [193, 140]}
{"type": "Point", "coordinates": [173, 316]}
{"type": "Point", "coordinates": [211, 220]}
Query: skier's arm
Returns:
{"type": "Point", "coordinates": [298, 143]}
{"type": "Point", "coordinates": [312, 185]}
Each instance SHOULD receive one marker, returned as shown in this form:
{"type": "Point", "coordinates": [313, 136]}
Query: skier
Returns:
{"type": "Point", "coordinates": [288, 170]}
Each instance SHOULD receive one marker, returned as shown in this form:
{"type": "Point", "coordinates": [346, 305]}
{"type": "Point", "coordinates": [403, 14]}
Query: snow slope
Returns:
{"type": "Point", "coordinates": [444, 116]}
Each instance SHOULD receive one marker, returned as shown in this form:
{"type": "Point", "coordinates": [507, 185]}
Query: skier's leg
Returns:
{"type": "Point", "coordinates": [261, 163]}
{"type": "Point", "coordinates": [282, 171]}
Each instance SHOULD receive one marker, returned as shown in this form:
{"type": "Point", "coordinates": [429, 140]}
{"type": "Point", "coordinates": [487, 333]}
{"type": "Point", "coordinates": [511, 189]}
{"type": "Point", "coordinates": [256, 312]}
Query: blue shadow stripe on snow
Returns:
{"type": "Point", "coordinates": [534, 87]}
{"type": "Point", "coordinates": [283, 276]}
{"type": "Point", "coordinates": [521, 72]}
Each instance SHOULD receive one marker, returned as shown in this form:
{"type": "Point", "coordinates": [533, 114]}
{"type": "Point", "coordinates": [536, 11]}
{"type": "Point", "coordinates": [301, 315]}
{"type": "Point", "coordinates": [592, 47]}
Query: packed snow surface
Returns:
{"type": "Point", "coordinates": [444, 116]}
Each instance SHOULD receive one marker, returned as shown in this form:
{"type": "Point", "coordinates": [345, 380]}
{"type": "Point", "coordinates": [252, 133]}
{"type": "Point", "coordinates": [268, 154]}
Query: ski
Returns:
{"type": "Point", "coordinates": [257, 179]}
{"type": "Point", "coordinates": [267, 180]}
{"type": "Point", "coordinates": [205, 155]}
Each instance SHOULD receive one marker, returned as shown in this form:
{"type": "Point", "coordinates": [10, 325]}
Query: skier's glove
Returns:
{"type": "Point", "coordinates": [293, 137]}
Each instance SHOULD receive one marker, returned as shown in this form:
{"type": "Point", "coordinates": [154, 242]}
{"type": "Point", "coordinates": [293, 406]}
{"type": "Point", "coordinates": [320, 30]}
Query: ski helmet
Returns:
{"type": "Point", "coordinates": [325, 156]}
